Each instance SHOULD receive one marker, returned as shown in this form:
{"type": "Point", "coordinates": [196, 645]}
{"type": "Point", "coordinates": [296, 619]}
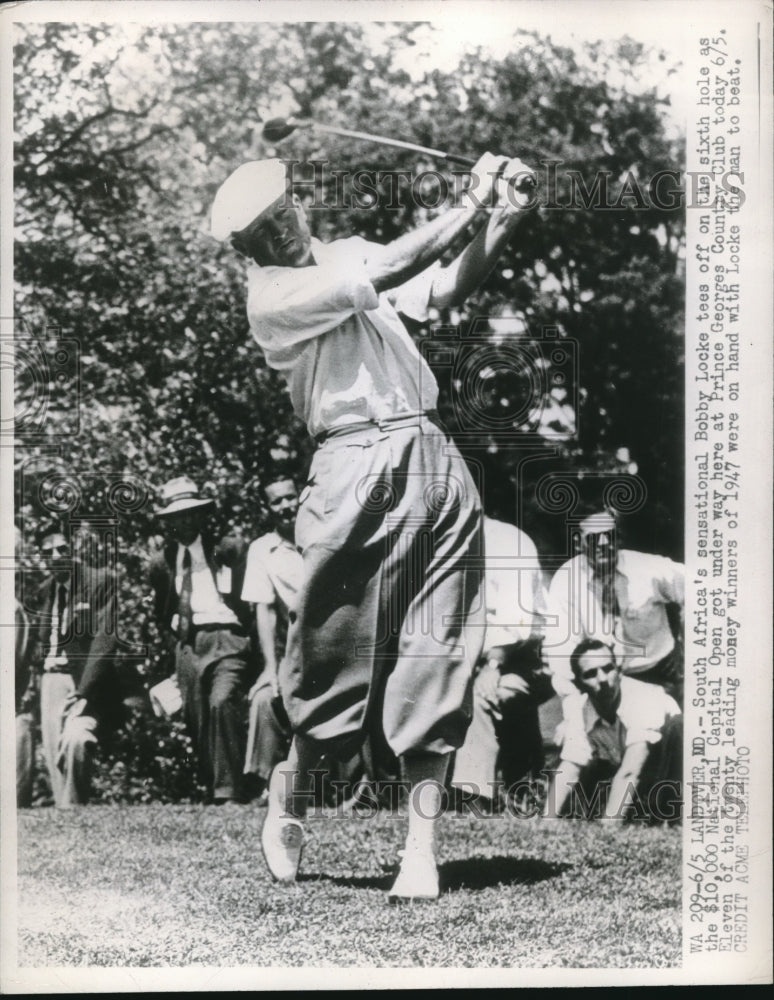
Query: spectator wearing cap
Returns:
{"type": "Point", "coordinates": [197, 586]}
{"type": "Point", "coordinates": [631, 737]}
{"type": "Point", "coordinates": [75, 651]}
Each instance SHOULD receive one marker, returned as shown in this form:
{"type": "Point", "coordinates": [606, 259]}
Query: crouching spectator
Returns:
{"type": "Point", "coordinates": [630, 740]}
{"type": "Point", "coordinates": [74, 650]}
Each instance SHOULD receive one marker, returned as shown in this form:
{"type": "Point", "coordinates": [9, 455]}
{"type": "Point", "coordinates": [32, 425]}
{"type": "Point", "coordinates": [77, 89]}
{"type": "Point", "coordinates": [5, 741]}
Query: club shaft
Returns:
{"type": "Point", "coordinates": [439, 154]}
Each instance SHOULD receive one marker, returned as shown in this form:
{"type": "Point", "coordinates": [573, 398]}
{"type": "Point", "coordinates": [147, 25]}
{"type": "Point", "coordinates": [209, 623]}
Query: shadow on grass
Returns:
{"type": "Point", "coordinates": [466, 873]}
{"type": "Point", "coordinates": [482, 873]}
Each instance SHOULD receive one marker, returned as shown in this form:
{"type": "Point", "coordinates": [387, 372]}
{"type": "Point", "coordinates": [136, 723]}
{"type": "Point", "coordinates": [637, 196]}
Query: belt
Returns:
{"type": "Point", "coordinates": [387, 424]}
{"type": "Point", "coordinates": [219, 627]}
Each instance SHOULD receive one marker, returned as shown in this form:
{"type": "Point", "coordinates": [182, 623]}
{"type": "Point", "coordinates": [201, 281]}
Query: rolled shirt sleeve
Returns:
{"type": "Point", "coordinates": [257, 587]}
{"type": "Point", "coordinates": [571, 735]}
{"type": "Point", "coordinates": [412, 298]}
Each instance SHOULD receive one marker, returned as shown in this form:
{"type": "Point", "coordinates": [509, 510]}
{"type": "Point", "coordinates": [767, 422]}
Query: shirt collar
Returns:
{"type": "Point", "coordinates": [320, 251]}
{"type": "Point", "coordinates": [276, 541]}
{"type": "Point", "coordinates": [620, 567]}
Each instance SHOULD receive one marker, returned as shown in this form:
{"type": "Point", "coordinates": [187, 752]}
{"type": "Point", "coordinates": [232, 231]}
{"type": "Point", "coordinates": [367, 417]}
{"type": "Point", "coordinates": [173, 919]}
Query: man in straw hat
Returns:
{"type": "Point", "coordinates": [197, 587]}
{"type": "Point", "coordinates": [389, 619]}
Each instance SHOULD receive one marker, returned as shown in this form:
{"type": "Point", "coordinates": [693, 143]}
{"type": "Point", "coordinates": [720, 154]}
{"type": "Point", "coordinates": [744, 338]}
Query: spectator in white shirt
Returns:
{"type": "Point", "coordinates": [631, 736]}
{"type": "Point", "coordinates": [273, 578]}
{"type": "Point", "coordinates": [631, 600]}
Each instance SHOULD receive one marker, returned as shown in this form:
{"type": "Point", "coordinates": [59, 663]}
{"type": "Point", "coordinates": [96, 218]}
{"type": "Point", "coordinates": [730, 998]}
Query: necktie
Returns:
{"type": "Point", "coordinates": [609, 600]}
{"type": "Point", "coordinates": [184, 615]}
{"type": "Point", "coordinates": [62, 608]}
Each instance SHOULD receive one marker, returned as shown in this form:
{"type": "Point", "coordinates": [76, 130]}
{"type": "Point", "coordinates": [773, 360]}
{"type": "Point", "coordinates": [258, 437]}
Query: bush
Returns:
{"type": "Point", "coordinates": [148, 760]}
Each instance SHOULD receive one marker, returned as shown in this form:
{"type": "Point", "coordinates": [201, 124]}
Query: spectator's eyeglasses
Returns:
{"type": "Point", "coordinates": [591, 672]}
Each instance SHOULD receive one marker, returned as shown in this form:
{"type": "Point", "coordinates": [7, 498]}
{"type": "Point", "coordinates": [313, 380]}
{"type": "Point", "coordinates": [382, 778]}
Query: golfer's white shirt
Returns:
{"type": "Point", "coordinates": [342, 348]}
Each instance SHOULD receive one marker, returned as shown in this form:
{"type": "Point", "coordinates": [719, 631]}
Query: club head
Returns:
{"type": "Point", "coordinates": [276, 129]}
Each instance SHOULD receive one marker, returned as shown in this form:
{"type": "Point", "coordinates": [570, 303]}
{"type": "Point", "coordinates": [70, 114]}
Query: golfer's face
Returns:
{"type": "Point", "coordinates": [283, 234]}
{"type": "Point", "coordinates": [599, 677]}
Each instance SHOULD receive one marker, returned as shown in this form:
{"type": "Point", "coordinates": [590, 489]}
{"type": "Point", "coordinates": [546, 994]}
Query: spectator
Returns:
{"type": "Point", "coordinates": [75, 645]}
{"type": "Point", "coordinates": [272, 581]}
{"type": "Point", "coordinates": [197, 586]}
{"type": "Point", "coordinates": [630, 599]}
{"type": "Point", "coordinates": [26, 689]}
{"type": "Point", "coordinates": [510, 682]}
{"type": "Point", "coordinates": [632, 733]}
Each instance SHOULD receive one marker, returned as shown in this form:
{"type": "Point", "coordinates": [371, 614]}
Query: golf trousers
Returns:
{"type": "Point", "coordinates": [390, 618]}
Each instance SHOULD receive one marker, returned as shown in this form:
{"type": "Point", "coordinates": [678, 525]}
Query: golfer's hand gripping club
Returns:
{"type": "Point", "coordinates": [516, 187]}
{"type": "Point", "coordinates": [499, 182]}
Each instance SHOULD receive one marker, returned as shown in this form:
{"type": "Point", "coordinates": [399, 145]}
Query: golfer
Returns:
{"type": "Point", "coordinates": [389, 620]}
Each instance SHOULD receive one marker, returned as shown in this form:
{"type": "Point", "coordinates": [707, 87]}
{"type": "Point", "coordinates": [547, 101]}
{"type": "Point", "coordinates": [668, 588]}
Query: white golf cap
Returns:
{"type": "Point", "coordinates": [245, 194]}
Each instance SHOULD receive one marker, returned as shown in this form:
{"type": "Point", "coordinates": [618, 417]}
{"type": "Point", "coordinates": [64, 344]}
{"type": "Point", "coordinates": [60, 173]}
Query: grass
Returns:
{"type": "Point", "coordinates": [185, 885]}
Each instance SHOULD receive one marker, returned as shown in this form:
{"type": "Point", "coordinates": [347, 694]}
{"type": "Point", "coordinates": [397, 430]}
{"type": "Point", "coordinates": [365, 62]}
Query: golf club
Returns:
{"type": "Point", "coordinates": [277, 129]}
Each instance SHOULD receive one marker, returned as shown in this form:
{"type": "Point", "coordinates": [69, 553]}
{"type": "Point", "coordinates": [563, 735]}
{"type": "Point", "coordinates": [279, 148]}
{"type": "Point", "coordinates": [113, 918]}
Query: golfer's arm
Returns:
{"type": "Point", "coordinates": [454, 283]}
{"type": "Point", "coordinates": [397, 262]}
